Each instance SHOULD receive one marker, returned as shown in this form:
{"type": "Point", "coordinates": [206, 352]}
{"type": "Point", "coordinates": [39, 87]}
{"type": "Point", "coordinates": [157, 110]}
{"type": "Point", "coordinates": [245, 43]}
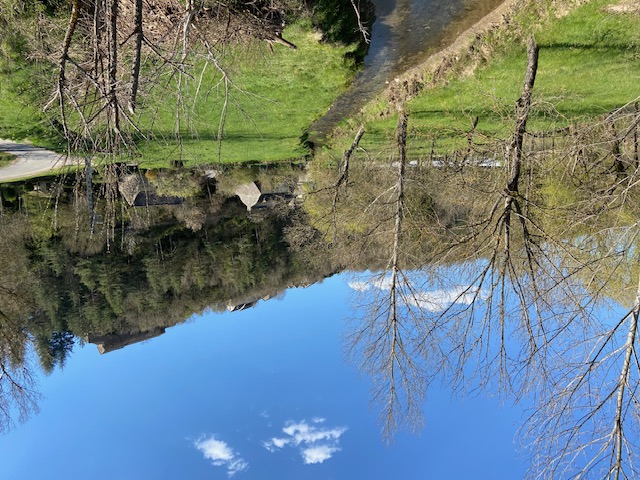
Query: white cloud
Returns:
{"type": "Point", "coordinates": [315, 442]}
{"type": "Point", "coordinates": [302, 432]}
{"type": "Point", "coordinates": [276, 443]}
{"type": "Point", "coordinates": [236, 465]}
{"type": "Point", "coordinates": [432, 301]}
{"type": "Point", "coordinates": [359, 286]}
{"type": "Point", "coordinates": [221, 455]}
{"type": "Point", "coordinates": [318, 454]}
{"type": "Point", "coordinates": [438, 300]}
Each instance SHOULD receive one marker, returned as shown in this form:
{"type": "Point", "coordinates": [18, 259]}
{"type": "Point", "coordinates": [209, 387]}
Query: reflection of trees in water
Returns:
{"type": "Point", "coordinates": [514, 290]}
{"type": "Point", "coordinates": [18, 396]}
{"type": "Point", "coordinates": [138, 270]}
{"type": "Point", "coordinates": [508, 280]}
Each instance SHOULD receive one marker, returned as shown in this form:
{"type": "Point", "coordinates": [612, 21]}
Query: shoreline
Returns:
{"type": "Point", "coordinates": [30, 161]}
{"type": "Point", "coordinates": [437, 67]}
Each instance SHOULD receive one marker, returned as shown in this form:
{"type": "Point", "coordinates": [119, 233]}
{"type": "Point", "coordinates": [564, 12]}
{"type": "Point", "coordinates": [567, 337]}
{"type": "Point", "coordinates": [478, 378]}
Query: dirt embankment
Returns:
{"type": "Point", "coordinates": [625, 6]}
{"type": "Point", "coordinates": [462, 53]}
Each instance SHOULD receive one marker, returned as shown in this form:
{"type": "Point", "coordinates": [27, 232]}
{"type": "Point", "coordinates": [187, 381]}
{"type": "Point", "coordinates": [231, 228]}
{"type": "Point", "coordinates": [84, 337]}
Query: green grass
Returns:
{"type": "Point", "coordinates": [19, 118]}
{"type": "Point", "coordinates": [275, 98]}
{"type": "Point", "coordinates": [276, 95]}
{"type": "Point", "coordinates": [589, 65]}
{"type": "Point", "coordinates": [5, 159]}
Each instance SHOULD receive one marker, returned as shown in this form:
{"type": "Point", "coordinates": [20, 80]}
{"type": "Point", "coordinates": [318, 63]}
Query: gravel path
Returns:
{"type": "Point", "coordinates": [29, 161]}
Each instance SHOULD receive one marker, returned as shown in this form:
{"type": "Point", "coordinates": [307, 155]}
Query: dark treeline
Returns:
{"type": "Point", "coordinates": [146, 267]}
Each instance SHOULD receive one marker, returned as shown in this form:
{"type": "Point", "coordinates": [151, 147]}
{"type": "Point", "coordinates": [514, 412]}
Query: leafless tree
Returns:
{"type": "Point", "coordinates": [513, 300]}
{"type": "Point", "coordinates": [112, 48]}
{"type": "Point", "coordinates": [384, 338]}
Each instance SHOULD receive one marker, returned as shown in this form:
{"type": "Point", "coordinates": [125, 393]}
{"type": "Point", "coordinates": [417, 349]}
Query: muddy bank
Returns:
{"type": "Point", "coordinates": [460, 53]}
{"type": "Point", "coordinates": [406, 34]}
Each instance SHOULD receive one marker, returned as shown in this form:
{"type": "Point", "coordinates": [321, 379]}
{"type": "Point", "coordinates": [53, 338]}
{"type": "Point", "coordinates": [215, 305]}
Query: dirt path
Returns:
{"type": "Point", "coordinates": [29, 161]}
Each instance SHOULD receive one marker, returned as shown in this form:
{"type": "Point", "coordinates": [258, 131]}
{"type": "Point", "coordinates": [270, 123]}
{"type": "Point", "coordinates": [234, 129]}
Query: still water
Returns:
{"type": "Point", "coordinates": [202, 330]}
{"type": "Point", "coordinates": [262, 393]}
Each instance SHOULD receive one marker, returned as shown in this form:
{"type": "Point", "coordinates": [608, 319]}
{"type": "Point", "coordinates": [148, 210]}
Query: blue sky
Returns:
{"type": "Point", "coordinates": [261, 393]}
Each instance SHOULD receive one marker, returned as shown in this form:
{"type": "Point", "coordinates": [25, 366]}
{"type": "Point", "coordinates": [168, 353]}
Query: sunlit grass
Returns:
{"type": "Point", "coordinates": [589, 65]}
{"type": "Point", "coordinates": [20, 119]}
{"type": "Point", "coordinates": [274, 98]}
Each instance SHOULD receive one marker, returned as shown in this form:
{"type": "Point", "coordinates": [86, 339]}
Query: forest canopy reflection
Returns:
{"type": "Point", "coordinates": [528, 306]}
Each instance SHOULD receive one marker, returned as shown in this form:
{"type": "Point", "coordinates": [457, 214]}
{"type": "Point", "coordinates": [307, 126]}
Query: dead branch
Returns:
{"type": "Point", "coordinates": [137, 56]}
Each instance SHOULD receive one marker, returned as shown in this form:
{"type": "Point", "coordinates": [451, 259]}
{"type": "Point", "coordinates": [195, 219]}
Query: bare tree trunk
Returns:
{"type": "Point", "coordinates": [618, 164]}
{"type": "Point", "coordinates": [113, 65]}
{"type": "Point", "coordinates": [514, 150]}
{"type": "Point", "coordinates": [623, 385]}
{"type": "Point", "coordinates": [190, 13]}
{"type": "Point", "coordinates": [401, 140]}
{"type": "Point", "coordinates": [277, 38]}
{"type": "Point", "coordinates": [523, 107]}
{"type": "Point", "coordinates": [470, 133]}
{"type": "Point", "coordinates": [363, 30]}
{"type": "Point", "coordinates": [635, 140]}
{"type": "Point", "coordinates": [135, 69]}
{"type": "Point", "coordinates": [344, 167]}
{"type": "Point", "coordinates": [88, 173]}
{"type": "Point", "coordinates": [66, 44]}
{"type": "Point", "coordinates": [343, 179]}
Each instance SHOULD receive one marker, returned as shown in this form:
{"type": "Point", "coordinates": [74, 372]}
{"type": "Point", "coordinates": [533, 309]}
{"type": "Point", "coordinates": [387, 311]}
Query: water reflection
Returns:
{"type": "Point", "coordinates": [528, 294]}
{"type": "Point", "coordinates": [169, 245]}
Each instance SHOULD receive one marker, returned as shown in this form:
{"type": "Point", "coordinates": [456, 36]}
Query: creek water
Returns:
{"type": "Point", "coordinates": [404, 34]}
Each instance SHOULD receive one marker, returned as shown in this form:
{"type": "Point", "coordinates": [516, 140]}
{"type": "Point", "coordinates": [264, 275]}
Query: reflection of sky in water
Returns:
{"type": "Point", "coordinates": [424, 298]}
{"type": "Point", "coordinates": [261, 393]}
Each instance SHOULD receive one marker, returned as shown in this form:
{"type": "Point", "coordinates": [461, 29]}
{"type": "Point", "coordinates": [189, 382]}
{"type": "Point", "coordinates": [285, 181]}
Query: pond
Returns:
{"type": "Point", "coordinates": [273, 321]}
{"type": "Point", "coordinates": [259, 393]}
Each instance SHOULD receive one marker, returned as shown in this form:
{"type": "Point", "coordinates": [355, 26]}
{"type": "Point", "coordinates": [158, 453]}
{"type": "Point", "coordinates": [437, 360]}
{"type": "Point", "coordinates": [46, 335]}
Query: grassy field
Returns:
{"type": "Point", "coordinates": [589, 65]}
{"type": "Point", "coordinates": [5, 159]}
{"type": "Point", "coordinates": [20, 119]}
{"type": "Point", "coordinates": [274, 95]}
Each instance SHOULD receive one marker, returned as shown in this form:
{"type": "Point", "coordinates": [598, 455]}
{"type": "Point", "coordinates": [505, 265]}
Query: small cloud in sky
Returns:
{"type": "Point", "coordinates": [318, 454]}
{"type": "Point", "coordinates": [276, 443]}
{"type": "Point", "coordinates": [433, 300]}
{"type": "Point", "coordinates": [315, 442]}
{"type": "Point", "coordinates": [304, 433]}
{"type": "Point", "coordinates": [221, 454]}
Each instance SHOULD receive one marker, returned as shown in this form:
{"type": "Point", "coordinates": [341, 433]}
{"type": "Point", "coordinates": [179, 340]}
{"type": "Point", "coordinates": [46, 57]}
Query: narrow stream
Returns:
{"type": "Point", "coordinates": [404, 34]}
